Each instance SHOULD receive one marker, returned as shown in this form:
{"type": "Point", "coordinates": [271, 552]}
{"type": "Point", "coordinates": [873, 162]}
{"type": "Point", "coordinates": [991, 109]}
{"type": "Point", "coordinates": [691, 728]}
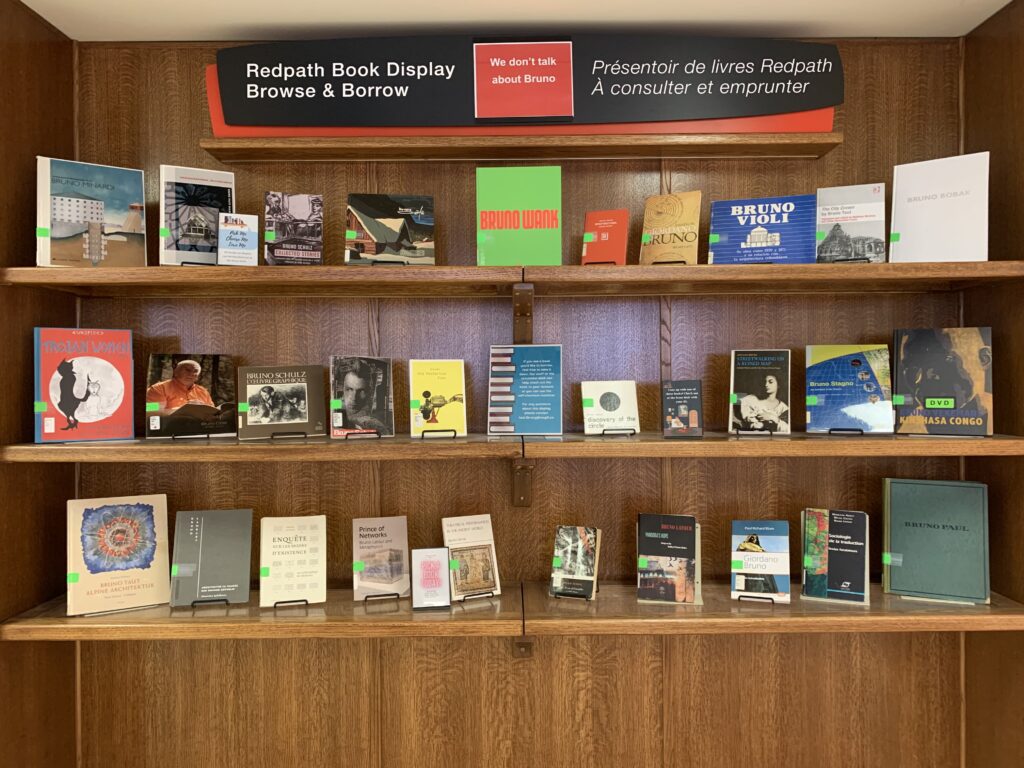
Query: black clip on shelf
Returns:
{"type": "Point", "coordinates": [846, 431]}
{"type": "Point", "coordinates": [383, 596]}
{"type": "Point", "coordinates": [475, 595]}
{"type": "Point", "coordinates": [210, 601]}
{"type": "Point", "coordinates": [593, 263]}
{"type": "Point", "coordinates": [754, 599]}
{"type": "Point", "coordinates": [274, 435]}
{"type": "Point", "coordinates": [755, 433]}
{"type": "Point", "coordinates": [426, 432]}
{"type": "Point", "coordinates": [629, 432]}
{"type": "Point", "coordinates": [303, 601]}
{"type": "Point", "coordinates": [368, 434]}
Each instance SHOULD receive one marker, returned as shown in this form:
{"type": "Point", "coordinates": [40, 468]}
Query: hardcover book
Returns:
{"type": "Point", "coordinates": [430, 588]}
{"type": "Point", "coordinates": [518, 216]}
{"type": "Point", "coordinates": [940, 210]}
{"type": "Point", "coordinates": [190, 396]}
{"type": "Point", "coordinates": [574, 565]}
{"type": "Point", "coordinates": [389, 229]}
{"type": "Point", "coordinates": [668, 559]}
{"type": "Point", "coordinates": [848, 388]}
{"type": "Point", "coordinates": [474, 564]}
{"type": "Point", "coordinates": [944, 381]}
{"type": "Point", "coordinates": [682, 408]}
{"type": "Point", "coordinates": [771, 230]}
{"type": "Point", "coordinates": [89, 215]}
{"type": "Point", "coordinates": [936, 540]}
{"type": "Point", "coordinates": [525, 390]}
{"type": "Point", "coordinates": [117, 554]}
{"type": "Point", "coordinates": [437, 404]}
{"type": "Point", "coordinates": [609, 407]}
{"type": "Point", "coordinates": [605, 235]}
{"type": "Point", "coordinates": [759, 391]}
{"type": "Point", "coordinates": [212, 551]}
{"type": "Point", "coordinates": [851, 224]}
{"type": "Point", "coordinates": [83, 385]}
{"type": "Point", "coordinates": [671, 228]}
{"type": "Point", "coordinates": [293, 227]}
{"type": "Point", "coordinates": [281, 401]}
{"type": "Point", "coordinates": [835, 556]}
{"type": "Point", "coordinates": [760, 560]}
{"type": "Point", "coordinates": [380, 557]}
{"type": "Point", "coordinates": [238, 240]}
{"type": "Point", "coordinates": [192, 200]}
{"type": "Point", "coordinates": [293, 560]}
{"type": "Point", "coordinates": [361, 399]}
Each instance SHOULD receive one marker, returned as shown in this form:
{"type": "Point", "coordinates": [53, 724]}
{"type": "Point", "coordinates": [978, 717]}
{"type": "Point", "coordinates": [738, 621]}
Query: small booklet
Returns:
{"type": "Point", "coordinates": [682, 409]}
{"type": "Point", "coordinates": [430, 578]}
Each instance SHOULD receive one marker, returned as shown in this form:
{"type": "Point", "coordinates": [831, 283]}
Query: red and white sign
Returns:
{"type": "Point", "coordinates": [523, 79]}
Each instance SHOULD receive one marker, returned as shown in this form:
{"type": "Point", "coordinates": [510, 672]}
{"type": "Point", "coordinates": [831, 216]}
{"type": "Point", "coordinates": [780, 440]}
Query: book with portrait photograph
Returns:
{"type": "Point", "coordinates": [191, 202]}
{"type": "Point", "coordinates": [189, 395]}
{"type": "Point", "coordinates": [281, 401]}
{"type": "Point", "coordinates": [293, 228]}
{"type": "Point", "coordinates": [682, 409]}
{"type": "Point", "coordinates": [668, 559]}
{"type": "Point", "coordinates": [610, 407]}
{"type": "Point", "coordinates": [470, 542]}
{"type": "Point", "coordinates": [437, 398]}
{"type": "Point", "coordinates": [849, 389]}
{"type": "Point", "coordinates": [389, 229]}
{"type": "Point", "coordinates": [760, 561]}
{"type": "Point", "coordinates": [361, 397]}
{"type": "Point", "coordinates": [380, 557]}
{"type": "Point", "coordinates": [759, 391]}
{"type": "Point", "coordinates": [574, 564]}
{"type": "Point", "coordinates": [671, 227]}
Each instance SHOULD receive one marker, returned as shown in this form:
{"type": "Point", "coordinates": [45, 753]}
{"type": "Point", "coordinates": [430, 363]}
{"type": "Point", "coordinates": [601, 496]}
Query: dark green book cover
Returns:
{"type": "Point", "coordinates": [519, 216]}
{"type": "Point", "coordinates": [936, 540]}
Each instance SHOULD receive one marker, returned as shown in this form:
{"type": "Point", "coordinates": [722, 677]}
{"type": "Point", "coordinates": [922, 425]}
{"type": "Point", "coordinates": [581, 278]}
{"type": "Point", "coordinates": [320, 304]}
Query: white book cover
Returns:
{"type": "Point", "coordinates": [760, 561]}
{"type": "Point", "coordinates": [191, 201]}
{"type": "Point", "coordinates": [380, 557]}
{"type": "Point", "coordinates": [293, 560]}
{"type": "Point", "coordinates": [238, 240]}
{"type": "Point", "coordinates": [851, 224]}
{"type": "Point", "coordinates": [470, 542]}
{"type": "Point", "coordinates": [940, 210]}
{"type": "Point", "coordinates": [430, 587]}
{"type": "Point", "coordinates": [609, 406]}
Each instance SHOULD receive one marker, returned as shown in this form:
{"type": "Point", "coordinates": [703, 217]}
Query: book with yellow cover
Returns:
{"type": "Point", "coordinates": [671, 227]}
{"type": "Point", "coordinates": [437, 398]}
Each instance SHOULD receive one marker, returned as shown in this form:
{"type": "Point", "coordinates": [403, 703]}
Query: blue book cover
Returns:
{"type": "Point", "coordinates": [525, 390]}
{"type": "Point", "coordinates": [763, 230]}
{"type": "Point", "coordinates": [760, 560]}
{"type": "Point", "coordinates": [848, 388]}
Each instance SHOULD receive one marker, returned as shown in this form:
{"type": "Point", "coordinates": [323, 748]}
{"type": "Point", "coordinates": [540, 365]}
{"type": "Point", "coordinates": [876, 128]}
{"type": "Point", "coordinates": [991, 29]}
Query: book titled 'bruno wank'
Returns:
{"type": "Point", "coordinates": [668, 559]}
{"type": "Point", "coordinates": [682, 409]}
{"type": "Point", "coordinates": [759, 391]}
{"type": "Point", "coordinates": [848, 388]}
{"type": "Point", "coordinates": [936, 540]}
{"type": "Point", "coordinates": [525, 390]}
{"type": "Point", "coordinates": [211, 558]}
{"type": "Point", "coordinates": [190, 395]}
{"type": "Point", "coordinates": [389, 229]}
{"type": "Point", "coordinates": [671, 229]}
{"type": "Point", "coordinates": [281, 401]}
{"type": "Point", "coordinates": [835, 555]}
{"type": "Point", "coordinates": [192, 200]}
{"type": "Point", "coordinates": [117, 554]}
{"type": "Point", "coordinates": [771, 230]}
{"type": "Point", "coordinates": [760, 560]}
{"type": "Point", "coordinates": [610, 407]}
{"type": "Point", "coordinates": [293, 560]}
{"type": "Point", "coordinates": [361, 399]}
{"type": "Point", "coordinates": [575, 562]}
{"type": "Point", "coordinates": [380, 557]}
{"type": "Point", "coordinates": [851, 224]}
{"type": "Point", "coordinates": [519, 216]}
{"type": "Point", "coordinates": [474, 564]}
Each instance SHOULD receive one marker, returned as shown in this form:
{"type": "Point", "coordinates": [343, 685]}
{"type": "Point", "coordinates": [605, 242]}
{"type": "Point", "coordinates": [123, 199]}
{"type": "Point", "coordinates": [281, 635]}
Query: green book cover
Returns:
{"type": "Point", "coordinates": [936, 540]}
{"type": "Point", "coordinates": [519, 216]}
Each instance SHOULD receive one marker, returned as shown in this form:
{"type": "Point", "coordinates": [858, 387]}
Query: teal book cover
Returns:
{"type": "Point", "coordinates": [519, 216]}
{"type": "Point", "coordinates": [936, 540]}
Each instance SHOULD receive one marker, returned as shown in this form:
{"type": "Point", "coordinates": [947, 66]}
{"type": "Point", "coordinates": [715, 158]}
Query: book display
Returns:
{"type": "Point", "coordinates": [849, 389]}
{"type": "Point", "coordinates": [293, 560]}
{"type": "Point", "coordinates": [668, 559]}
{"type": "Point", "coordinates": [772, 230]}
{"type": "Point", "coordinates": [519, 216]}
{"type": "Point", "coordinates": [192, 201]}
{"type": "Point", "coordinates": [610, 407]}
{"type": "Point", "coordinates": [430, 587]}
{"type": "Point", "coordinates": [190, 396]}
{"type": "Point", "coordinates": [212, 551]}
{"type": "Point", "coordinates": [238, 240]}
{"type": "Point", "coordinates": [361, 399]}
{"type": "Point", "coordinates": [438, 401]}
{"type": "Point", "coordinates": [380, 557]}
{"type": "Point", "coordinates": [682, 408]}
{"type": "Point", "coordinates": [759, 391]}
{"type": "Point", "coordinates": [851, 224]}
{"type": "Point", "coordinates": [671, 227]}
{"type": "Point", "coordinates": [525, 390]}
{"type": "Point", "coordinates": [474, 563]}
{"type": "Point", "coordinates": [605, 236]}
{"type": "Point", "coordinates": [280, 401]}
{"type": "Point", "coordinates": [293, 228]}
{"type": "Point", "coordinates": [575, 562]}
{"type": "Point", "coordinates": [836, 563]}
{"type": "Point", "coordinates": [389, 229]}
{"type": "Point", "coordinates": [760, 560]}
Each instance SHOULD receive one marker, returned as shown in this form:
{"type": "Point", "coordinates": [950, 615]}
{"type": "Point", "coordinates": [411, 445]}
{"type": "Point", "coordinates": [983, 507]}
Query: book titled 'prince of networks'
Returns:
{"type": "Point", "coordinates": [769, 230]}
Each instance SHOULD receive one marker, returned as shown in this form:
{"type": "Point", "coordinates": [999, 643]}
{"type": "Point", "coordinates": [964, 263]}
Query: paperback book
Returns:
{"type": "Point", "coordinates": [83, 385]}
{"type": "Point", "coordinates": [190, 396]}
{"type": "Point", "coordinates": [117, 554]}
{"type": "Point", "coordinates": [474, 564]}
{"type": "Point", "coordinates": [89, 215]}
{"type": "Point", "coordinates": [519, 216]}
{"type": "Point", "coordinates": [437, 405]}
{"type": "Point", "coordinates": [605, 236]}
{"type": "Point", "coordinates": [936, 540]}
{"type": "Point", "coordinates": [430, 588]}
{"type": "Point", "coordinates": [671, 229]}
{"type": "Point", "coordinates": [238, 240]}
{"type": "Point", "coordinates": [851, 224]}
{"type": "Point", "coordinates": [835, 556]}
{"type": "Point", "coordinates": [212, 551]}
{"type": "Point", "coordinates": [610, 407]}
{"type": "Point", "coordinates": [771, 230]}
{"type": "Point", "coordinates": [293, 227]}
{"type": "Point", "coordinates": [668, 559]}
{"type": "Point", "coordinates": [281, 401]}
{"type": "Point", "coordinates": [760, 560]}
{"type": "Point", "coordinates": [848, 389]}
{"type": "Point", "coordinates": [389, 229]}
{"type": "Point", "coordinates": [380, 557]}
{"type": "Point", "coordinates": [293, 560]}
{"type": "Point", "coordinates": [575, 562]}
{"type": "Point", "coordinates": [759, 391]}
{"type": "Point", "coordinates": [192, 201]}
{"type": "Point", "coordinates": [361, 397]}
{"type": "Point", "coordinates": [525, 390]}
{"type": "Point", "coordinates": [682, 408]}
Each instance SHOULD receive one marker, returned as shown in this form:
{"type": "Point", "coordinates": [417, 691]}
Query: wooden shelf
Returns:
{"type": "Point", "coordinates": [565, 147]}
{"type": "Point", "coordinates": [616, 612]}
{"type": "Point", "coordinates": [339, 617]}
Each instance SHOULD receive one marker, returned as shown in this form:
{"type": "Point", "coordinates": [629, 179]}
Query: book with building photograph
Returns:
{"type": "Point", "coordinates": [281, 401]}
{"type": "Point", "coordinates": [190, 395]}
{"type": "Point", "coordinates": [389, 229]}
{"type": "Point", "coordinates": [851, 224]}
{"type": "Point", "coordinates": [191, 202]}
{"type": "Point", "coordinates": [361, 397]}
{"type": "Point", "coordinates": [293, 229]}
{"type": "Point", "coordinates": [771, 230]}
{"type": "Point", "coordinates": [668, 559]}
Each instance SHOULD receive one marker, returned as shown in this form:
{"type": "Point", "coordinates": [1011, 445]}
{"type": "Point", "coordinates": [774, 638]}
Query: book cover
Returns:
{"type": "Point", "coordinates": [848, 388]}
{"type": "Point", "coordinates": [437, 403]}
{"type": "Point", "coordinates": [293, 229]}
{"type": "Point", "coordinates": [760, 560]}
{"type": "Point", "coordinates": [668, 559]}
{"type": "Point", "coordinates": [293, 560]}
{"type": "Point", "coordinates": [944, 381]}
{"type": "Point", "coordinates": [519, 216]}
{"type": "Point", "coordinates": [238, 240]}
{"type": "Point", "coordinates": [605, 236]}
{"type": "Point", "coordinates": [525, 390]}
{"type": "Point", "coordinates": [212, 552]}
{"type": "Point", "coordinates": [83, 385]}
{"type": "Point", "coordinates": [575, 562]}
{"type": "Point", "coordinates": [191, 202]}
{"type": "Point", "coordinates": [474, 564]}
{"type": "Point", "coordinates": [759, 391]}
{"type": "Point", "coordinates": [671, 228]}
{"type": "Point", "coordinates": [430, 588]}
{"type": "Point", "coordinates": [609, 406]}
{"type": "Point", "coordinates": [771, 230]}
{"type": "Point", "coordinates": [391, 229]}
{"type": "Point", "coordinates": [380, 557]}
{"type": "Point", "coordinates": [281, 401]}
{"type": "Point", "coordinates": [851, 224]}
{"type": "Point", "coordinates": [117, 553]}
{"type": "Point", "coordinates": [361, 397]}
{"type": "Point", "coordinates": [936, 540]}
{"type": "Point", "coordinates": [835, 556]}
{"type": "Point", "coordinates": [940, 210]}
{"type": "Point", "coordinates": [682, 409]}
{"type": "Point", "coordinates": [190, 396]}
{"type": "Point", "coordinates": [89, 215]}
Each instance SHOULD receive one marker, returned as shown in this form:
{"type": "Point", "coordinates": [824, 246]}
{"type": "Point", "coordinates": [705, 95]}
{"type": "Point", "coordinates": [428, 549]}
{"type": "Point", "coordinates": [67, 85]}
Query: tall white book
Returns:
{"type": "Point", "coordinates": [293, 560]}
{"type": "Point", "coordinates": [474, 564]}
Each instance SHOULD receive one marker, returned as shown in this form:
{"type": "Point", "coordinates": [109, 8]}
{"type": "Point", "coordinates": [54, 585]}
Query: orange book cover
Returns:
{"type": "Point", "coordinates": [605, 234]}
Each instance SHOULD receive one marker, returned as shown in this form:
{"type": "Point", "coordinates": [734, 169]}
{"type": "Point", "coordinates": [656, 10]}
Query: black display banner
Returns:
{"type": "Point", "coordinates": [579, 79]}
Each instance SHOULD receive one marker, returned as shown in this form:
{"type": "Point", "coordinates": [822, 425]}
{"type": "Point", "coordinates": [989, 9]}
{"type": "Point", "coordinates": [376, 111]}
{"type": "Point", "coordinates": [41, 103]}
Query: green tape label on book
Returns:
{"type": "Point", "coordinates": [152, 407]}
{"type": "Point", "coordinates": [641, 562]}
{"type": "Point", "coordinates": [336, 405]}
{"type": "Point", "coordinates": [820, 236]}
{"type": "Point", "coordinates": [737, 565]}
{"type": "Point", "coordinates": [414, 405]}
{"type": "Point", "coordinates": [645, 238]}
{"type": "Point", "coordinates": [808, 561]}
{"type": "Point", "coordinates": [712, 239]}
{"type": "Point", "coordinates": [264, 571]}
{"type": "Point", "coordinates": [589, 237]}
{"type": "Point", "coordinates": [556, 562]}
{"type": "Point", "coordinates": [174, 570]}
{"type": "Point", "coordinates": [733, 399]}
{"type": "Point", "coordinates": [358, 566]}
{"type": "Point", "coordinates": [898, 399]}
{"type": "Point", "coordinates": [72, 578]}
{"type": "Point", "coordinates": [165, 232]}
{"type": "Point", "coordinates": [350, 234]}
{"type": "Point", "coordinates": [812, 399]}
{"type": "Point", "coordinates": [453, 565]}
{"type": "Point", "coordinates": [243, 407]}
{"type": "Point", "coordinates": [588, 402]}
{"type": "Point", "coordinates": [42, 231]}
{"type": "Point", "coordinates": [269, 237]}
{"type": "Point", "coordinates": [894, 237]}
{"type": "Point", "coordinates": [40, 406]}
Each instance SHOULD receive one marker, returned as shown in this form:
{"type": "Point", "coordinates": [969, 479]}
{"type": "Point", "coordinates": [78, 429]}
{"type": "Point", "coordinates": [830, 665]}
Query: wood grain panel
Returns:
{"type": "Point", "coordinates": [994, 668]}
{"type": "Point", "coordinates": [38, 723]}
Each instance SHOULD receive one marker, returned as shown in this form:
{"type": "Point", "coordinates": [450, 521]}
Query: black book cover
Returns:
{"type": "Point", "coordinates": [668, 553]}
{"type": "Point", "coordinates": [682, 411]}
{"type": "Point", "coordinates": [835, 555]}
{"type": "Point", "coordinates": [281, 401]}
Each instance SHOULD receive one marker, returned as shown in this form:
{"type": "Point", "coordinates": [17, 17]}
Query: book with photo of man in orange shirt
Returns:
{"type": "Point", "coordinates": [190, 396]}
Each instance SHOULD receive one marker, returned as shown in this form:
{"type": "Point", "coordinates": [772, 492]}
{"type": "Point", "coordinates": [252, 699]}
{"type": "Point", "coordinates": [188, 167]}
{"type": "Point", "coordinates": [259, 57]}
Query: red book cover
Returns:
{"type": "Point", "coordinates": [83, 385]}
{"type": "Point", "coordinates": [604, 237]}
